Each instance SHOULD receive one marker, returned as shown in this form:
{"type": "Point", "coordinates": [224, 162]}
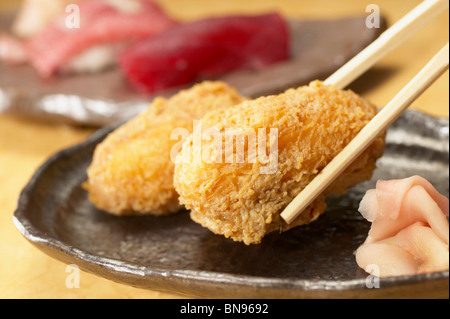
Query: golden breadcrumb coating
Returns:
{"type": "Point", "coordinates": [244, 202]}
{"type": "Point", "coordinates": [132, 171]}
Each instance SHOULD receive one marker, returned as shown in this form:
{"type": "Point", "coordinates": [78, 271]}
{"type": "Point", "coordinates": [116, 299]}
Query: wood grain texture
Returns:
{"type": "Point", "coordinates": [26, 272]}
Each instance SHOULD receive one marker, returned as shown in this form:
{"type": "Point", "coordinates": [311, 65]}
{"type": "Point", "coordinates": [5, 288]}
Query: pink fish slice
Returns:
{"type": "Point", "coordinates": [100, 23]}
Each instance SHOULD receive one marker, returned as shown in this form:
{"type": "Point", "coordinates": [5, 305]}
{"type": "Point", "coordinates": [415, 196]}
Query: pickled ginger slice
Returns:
{"type": "Point", "coordinates": [409, 232]}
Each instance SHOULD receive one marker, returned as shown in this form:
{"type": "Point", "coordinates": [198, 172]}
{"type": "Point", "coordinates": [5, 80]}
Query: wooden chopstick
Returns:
{"type": "Point", "coordinates": [387, 41]}
{"type": "Point", "coordinates": [434, 68]}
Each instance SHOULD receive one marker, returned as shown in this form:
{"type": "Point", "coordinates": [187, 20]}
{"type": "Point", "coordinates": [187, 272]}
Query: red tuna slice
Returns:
{"type": "Point", "coordinates": [205, 49]}
{"type": "Point", "coordinates": [100, 23]}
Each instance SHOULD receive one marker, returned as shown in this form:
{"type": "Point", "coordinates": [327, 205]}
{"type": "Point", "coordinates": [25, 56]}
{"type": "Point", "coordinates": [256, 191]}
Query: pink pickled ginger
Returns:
{"type": "Point", "coordinates": [410, 230]}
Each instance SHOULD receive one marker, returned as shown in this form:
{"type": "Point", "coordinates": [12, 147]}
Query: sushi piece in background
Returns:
{"type": "Point", "coordinates": [105, 28]}
{"type": "Point", "coordinates": [205, 49]}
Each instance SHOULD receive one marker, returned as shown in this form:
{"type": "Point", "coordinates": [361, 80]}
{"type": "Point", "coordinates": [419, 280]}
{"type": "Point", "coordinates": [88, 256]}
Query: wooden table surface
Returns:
{"type": "Point", "coordinates": [26, 272]}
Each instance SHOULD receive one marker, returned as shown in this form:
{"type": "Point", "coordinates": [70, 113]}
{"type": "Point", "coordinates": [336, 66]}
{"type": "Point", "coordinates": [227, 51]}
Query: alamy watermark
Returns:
{"type": "Point", "coordinates": [73, 18]}
{"type": "Point", "coordinates": [231, 145]}
{"type": "Point", "coordinates": [373, 19]}
{"type": "Point", "coordinates": [373, 280]}
{"type": "Point", "coordinates": [73, 279]}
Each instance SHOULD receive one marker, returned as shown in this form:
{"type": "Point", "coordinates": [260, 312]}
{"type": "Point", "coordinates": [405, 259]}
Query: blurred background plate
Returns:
{"type": "Point", "coordinates": [318, 48]}
{"type": "Point", "coordinates": [173, 254]}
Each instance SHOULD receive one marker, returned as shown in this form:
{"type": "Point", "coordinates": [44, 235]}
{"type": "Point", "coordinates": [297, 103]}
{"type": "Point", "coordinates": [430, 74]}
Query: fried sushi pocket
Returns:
{"type": "Point", "coordinates": [264, 152]}
{"type": "Point", "coordinates": [132, 168]}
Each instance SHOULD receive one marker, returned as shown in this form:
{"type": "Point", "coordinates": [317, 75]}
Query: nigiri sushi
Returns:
{"type": "Point", "coordinates": [205, 49]}
{"type": "Point", "coordinates": [34, 16]}
{"type": "Point", "coordinates": [105, 28]}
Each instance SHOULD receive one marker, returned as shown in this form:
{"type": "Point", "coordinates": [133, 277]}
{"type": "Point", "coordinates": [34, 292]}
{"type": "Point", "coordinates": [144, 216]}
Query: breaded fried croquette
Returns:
{"type": "Point", "coordinates": [132, 171]}
{"type": "Point", "coordinates": [242, 200]}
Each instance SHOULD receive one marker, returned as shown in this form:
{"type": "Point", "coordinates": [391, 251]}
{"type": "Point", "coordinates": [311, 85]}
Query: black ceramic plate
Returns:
{"type": "Point", "coordinates": [174, 254]}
